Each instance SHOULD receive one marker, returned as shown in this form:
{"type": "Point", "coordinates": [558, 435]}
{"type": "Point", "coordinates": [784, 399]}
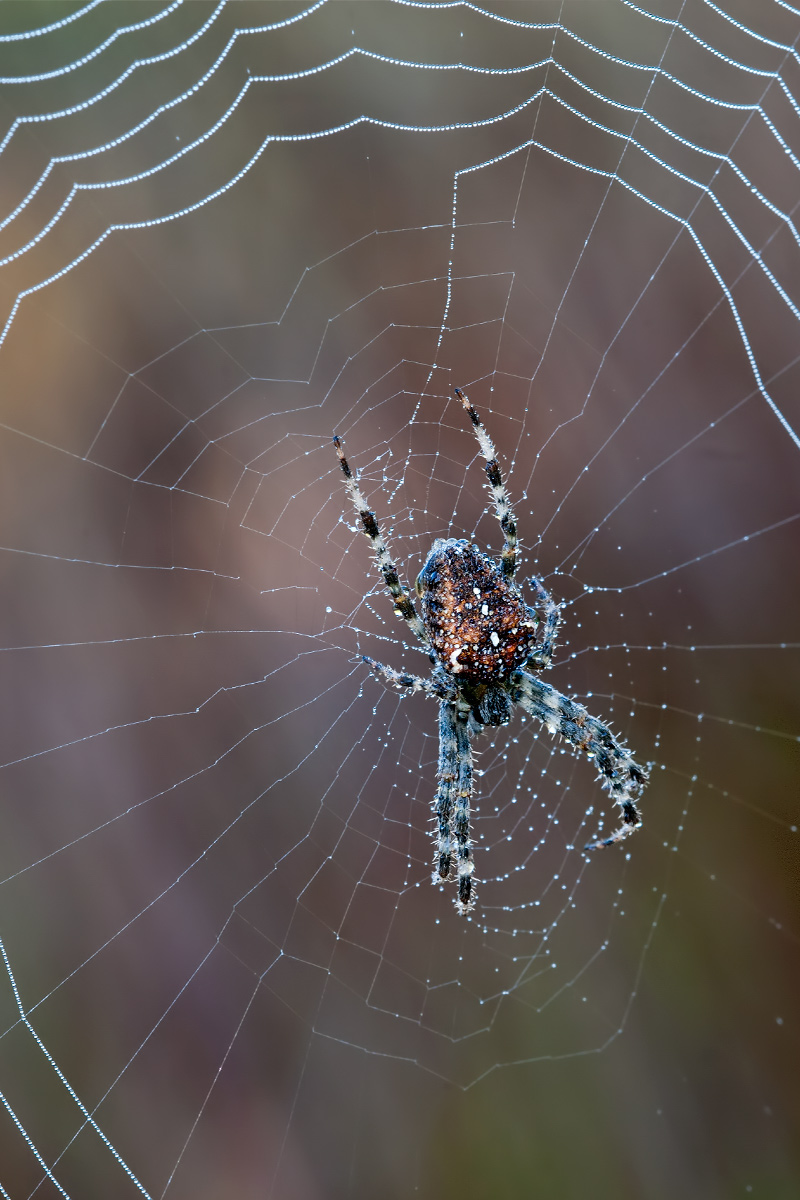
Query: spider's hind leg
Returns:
{"type": "Point", "coordinates": [500, 496]}
{"type": "Point", "coordinates": [542, 656]}
{"type": "Point", "coordinates": [403, 604]}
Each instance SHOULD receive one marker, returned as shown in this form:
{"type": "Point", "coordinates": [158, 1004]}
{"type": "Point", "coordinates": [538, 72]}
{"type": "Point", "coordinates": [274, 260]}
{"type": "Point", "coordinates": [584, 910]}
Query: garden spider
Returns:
{"type": "Point", "coordinates": [480, 635]}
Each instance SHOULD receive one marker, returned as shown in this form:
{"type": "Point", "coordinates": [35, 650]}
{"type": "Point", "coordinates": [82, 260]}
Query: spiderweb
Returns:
{"type": "Point", "coordinates": [227, 232]}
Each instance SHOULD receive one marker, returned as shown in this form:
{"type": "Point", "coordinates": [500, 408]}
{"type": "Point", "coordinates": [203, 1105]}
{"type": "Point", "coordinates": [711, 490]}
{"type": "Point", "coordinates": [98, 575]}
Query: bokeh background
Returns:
{"type": "Point", "coordinates": [230, 231]}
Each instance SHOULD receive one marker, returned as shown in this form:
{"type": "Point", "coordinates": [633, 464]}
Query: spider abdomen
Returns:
{"type": "Point", "coordinates": [477, 623]}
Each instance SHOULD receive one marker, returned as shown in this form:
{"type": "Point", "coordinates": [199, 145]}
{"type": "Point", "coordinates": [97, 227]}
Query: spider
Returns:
{"type": "Point", "coordinates": [480, 636]}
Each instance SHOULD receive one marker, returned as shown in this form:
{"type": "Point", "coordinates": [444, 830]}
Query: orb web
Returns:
{"type": "Point", "coordinates": [228, 232]}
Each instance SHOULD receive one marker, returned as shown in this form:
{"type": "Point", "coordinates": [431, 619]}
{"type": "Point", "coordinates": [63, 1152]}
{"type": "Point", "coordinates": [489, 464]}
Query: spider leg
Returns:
{"type": "Point", "coordinates": [502, 502]}
{"type": "Point", "coordinates": [465, 900]}
{"type": "Point", "coordinates": [623, 777]}
{"type": "Point", "coordinates": [409, 683]}
{"type": "Point", "coordinates": [453, 842]}
{"type": "Point", "coordinates": [403, 604]}
{"type": "Point", "coordinates": [542, 656]}
{"type": "Point", "coordinates": [443, 805]}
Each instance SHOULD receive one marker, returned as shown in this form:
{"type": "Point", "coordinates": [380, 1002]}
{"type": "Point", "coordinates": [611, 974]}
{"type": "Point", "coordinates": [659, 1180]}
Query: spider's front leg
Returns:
{"type": "Point", "coordinates": [452, 808]}
{"type": "Point", "coordinates": [443, 804]}
{"type": "Point", "coordinates": [465, 900]}
{"type": "Point", "coordinates": [623, 777]}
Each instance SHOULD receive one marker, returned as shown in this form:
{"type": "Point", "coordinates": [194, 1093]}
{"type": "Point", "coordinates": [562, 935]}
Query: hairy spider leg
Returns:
{"type": "Point", "coordinates": [542, 656]}
{"type": "Point", "coordinates": [453, 858]}
{"type": "Point", "coordinates": [409, 683]}
{"type": "Point", "coordinates": [465, 900]}
{"type": "Point", "coordinates": [450, 771]}
{"type": "Point", "coordinates": [445, 793]}
{"type": "Point", "coordinates": [403, 604]}
{"type": "Point", "coordinates": [500, 496]}
{"type": "Point", "coordinates": [623, 777]}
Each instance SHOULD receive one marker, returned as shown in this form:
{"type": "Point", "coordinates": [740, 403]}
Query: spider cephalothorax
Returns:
{"type": "Point", "coordinates": [480, 634]}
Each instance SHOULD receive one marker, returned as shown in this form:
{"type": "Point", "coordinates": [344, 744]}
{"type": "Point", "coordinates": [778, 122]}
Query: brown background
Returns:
{"type": "Point", "coordinates": [214, 862]}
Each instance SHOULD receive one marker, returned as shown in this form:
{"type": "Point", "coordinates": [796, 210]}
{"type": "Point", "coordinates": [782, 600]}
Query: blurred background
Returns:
{"type": "Point", "coordinates": [226, 233]}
